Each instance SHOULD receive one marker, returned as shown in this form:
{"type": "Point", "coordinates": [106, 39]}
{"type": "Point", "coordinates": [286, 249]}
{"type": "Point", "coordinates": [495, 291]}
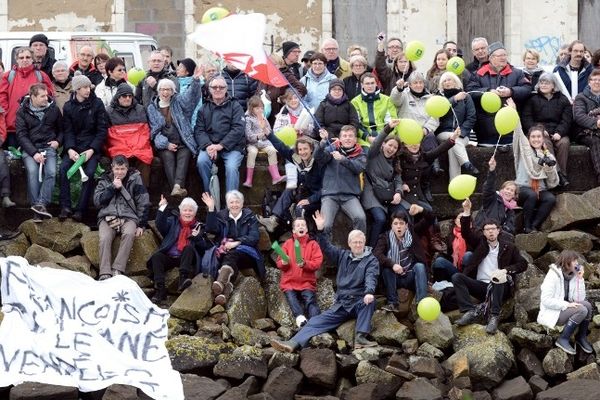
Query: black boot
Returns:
{"type": "Point", "coordinates": [563, 340]}
{"type": "Point", "coordinates": [581, 337]}
{"type": "Point", "coordinates": [468, 168]}
{"type": "Point", "coordinates": [160, 294]}
{"type": "Point", "coordinates": [184, 281]}
{"type": "Point", "coordinates": [436, 168]}
{"type": "Point", "coordinates": [562, 179]}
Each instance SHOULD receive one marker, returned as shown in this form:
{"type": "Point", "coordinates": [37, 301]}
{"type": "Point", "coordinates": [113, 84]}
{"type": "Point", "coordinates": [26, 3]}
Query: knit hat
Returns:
{"type": "Point", "coordinates": [336, 82]}
{"type": "Point", "coordinates": [40, 37]}
{"type": "Point", "coordinates": [495, 46]}
{"type": "Point", "coordinates": [123, 89]}
{"type": "Point", "coordinates": [79, 80]}
{"type": "Point", "coordinates": [189, 65]}
{"type": "Point", "coordinates": [287, 47]}
{"type": "Point", "coordinates": [308, 55]}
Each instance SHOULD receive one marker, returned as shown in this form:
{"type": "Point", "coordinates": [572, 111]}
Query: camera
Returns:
{"type": "Point", "coordinates": [545, 160]}
{"type": "Point", "coordinates": [578, 268]}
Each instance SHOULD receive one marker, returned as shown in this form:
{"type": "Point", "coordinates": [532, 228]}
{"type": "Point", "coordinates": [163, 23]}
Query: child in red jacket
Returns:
{"type": "Point", "coordinates": [298, 280]}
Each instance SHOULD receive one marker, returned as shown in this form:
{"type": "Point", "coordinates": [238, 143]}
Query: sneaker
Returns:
{"type": "Point", "coordinates": [301, 321]}
{"type": "Point", "coordinates": [37, 218]}
{"type": "Point", "coordinates": [361, 341]}
{"type": "Point", "coordinates": [390, 307]}
{"type": "Point", "coordinates": [286, 346]}
{"type": "Point", "coordinates": [184, 284]}
{"type": "Point", "coordinates": [178, 191]}
{"type": "Point", "coordinates": [64, 214]}
{"type": "Point", "coordinates": [492, 325]}
{"type": "Point", "coordinates": [7, 235]}
{"type": "Point", "coordinates": [104, 277]}
{"type": "Point", "coordinates": [270, 223]}
{"type": "Point", "coordinates": [40, 209]}
{"type": "Point", "coordinates": [468, 318]}
{"type": "Point", "coordinates": [116, 272]}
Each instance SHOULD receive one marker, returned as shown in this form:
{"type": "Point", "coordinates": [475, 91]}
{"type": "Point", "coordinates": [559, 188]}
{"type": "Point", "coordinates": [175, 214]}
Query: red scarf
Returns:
{"type": "Point", "coordinates": [459, 248]}
{"type": "Point", "coordinates": [184, 233]}
{"type": "Point", "coordinates": [352, 152]}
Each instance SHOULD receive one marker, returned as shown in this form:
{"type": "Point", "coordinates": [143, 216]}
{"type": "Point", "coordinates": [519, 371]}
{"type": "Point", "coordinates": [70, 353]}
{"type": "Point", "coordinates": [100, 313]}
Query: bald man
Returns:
{"type": "Point", "coordinates": [84, 64]}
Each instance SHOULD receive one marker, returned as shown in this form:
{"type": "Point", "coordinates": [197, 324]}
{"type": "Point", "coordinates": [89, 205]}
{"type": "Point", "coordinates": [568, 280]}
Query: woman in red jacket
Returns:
{"type": "Point", "coordinates": [298, 278]}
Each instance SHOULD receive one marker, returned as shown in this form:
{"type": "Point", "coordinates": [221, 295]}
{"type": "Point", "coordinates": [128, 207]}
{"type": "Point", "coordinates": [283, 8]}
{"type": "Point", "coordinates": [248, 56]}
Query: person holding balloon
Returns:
{"type": "Point", "coordinates": [257, 131]}
{"type": "Point", "coordinates": [382, 192]}
{"type": "Point", "coordinates": [116, 74]}
{"type": "Point", "coordinates": [487, 275]}
{"type": "Point", "coordinates": [401, 257]}
{"type": "Point", "coordinates": [537, 173]}
{"type": "Point", "coordinates": [394, 75]}
{"type": "Point", "coordinates": [335, 112]}
{"type": "Point", "coordinates": [461, 116]}
{"type": "Point", "coordinates": [437, 69]}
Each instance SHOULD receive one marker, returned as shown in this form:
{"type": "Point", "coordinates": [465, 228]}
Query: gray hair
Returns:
{"type": "Point", "coordinates": [166, 83]}
{"type": "Point", "coordinates": [360, 59]}
{"type": "Point", "coordinates": [23, 49]}
{"type": "Point", "coordinates": [479, 39]}
{"type": "Point", "coordinates": [188, 201]}
{"type": "Point", "coordinates": [452, 76]}
{"type": "Point", "coordinates": [548, 77]}
{"type": "Point", "coordinates": [60, 64]}
{"type": "Point", "coordinates": [354, 233]}
{"type": "Point", "coordinates": [234, 194]}
{"type": "Point", "coordinates": [415, 76]}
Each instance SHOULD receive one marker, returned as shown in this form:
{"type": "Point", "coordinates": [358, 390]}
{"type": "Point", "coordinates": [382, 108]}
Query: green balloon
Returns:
{"type": "Point", "coordinates": [456, 65]}
{"type": "Point", "coordinates": [462, 186]}
{"type": "Point", "coordinates": [287, 135]}
{"type": "Point", "coordinates": [414, 50]}
{"type": "Point", "coordinates": [437, 106]}
{"type": "Point", "coordinates": [490, 102]}
{"type": "Point", "coordinates": [429, 309]}
{"type": "Point", "coordinates": [410, 131]}
{"type": "Point", "coordinates": [506, 120]}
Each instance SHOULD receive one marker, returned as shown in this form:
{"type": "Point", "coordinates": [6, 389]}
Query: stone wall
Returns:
{"type": "Point", "coordinates": [66, 15]}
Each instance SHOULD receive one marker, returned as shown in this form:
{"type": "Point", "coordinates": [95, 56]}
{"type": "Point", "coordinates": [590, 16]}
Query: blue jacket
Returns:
{"type": "Point", "coordinates": [309, 182]}
{"type": "Point", "coordinates": [240, 86]}
{"type": "Point", "coordinates": [182, 107]}
{"type": "Point", "coordinates": [582, 77]}
{"type": "Point", "coordinates": [223, 123]}
{"type": "Point", "coordinates": [340, 177]}
{"type": "Point", "coordinates": [316, 88]}
{"type": "Point", "coordinates": [356, 276]}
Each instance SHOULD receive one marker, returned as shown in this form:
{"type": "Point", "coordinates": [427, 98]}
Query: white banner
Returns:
{"type": "Point", "coordinates": [64, 328]}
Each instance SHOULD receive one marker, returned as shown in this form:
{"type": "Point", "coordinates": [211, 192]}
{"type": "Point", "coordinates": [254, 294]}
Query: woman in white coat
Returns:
{"type": "Point", "coordinates": [563, 302]}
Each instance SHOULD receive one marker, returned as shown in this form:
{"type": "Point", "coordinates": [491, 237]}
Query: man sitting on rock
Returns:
{"type": "Point", "coordinates": [486, 275]}
{"type": "Point", "coordinates": [123, 204]}
{"type": "Point", "coordinates": [357, 274]}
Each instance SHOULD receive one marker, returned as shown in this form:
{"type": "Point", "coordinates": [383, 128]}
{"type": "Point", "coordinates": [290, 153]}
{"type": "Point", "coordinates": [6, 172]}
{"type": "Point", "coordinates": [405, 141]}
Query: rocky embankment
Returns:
{"type": "Point", "coordinates": [224, 353]}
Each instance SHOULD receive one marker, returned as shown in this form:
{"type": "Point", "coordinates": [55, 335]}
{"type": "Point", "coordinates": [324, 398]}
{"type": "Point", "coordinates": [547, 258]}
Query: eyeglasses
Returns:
{"type": "Point", "coordinates": [594, 80]}
{"type": "Point", "coordinates": [165, 89]}
{"type": "Point", "coordinates": [119, 69]}
{"type": "Point", "coordinates": [331, 49]}
{"type": "Point", "coordinates": [218, 87]}
{"type": "Point", "coordinates": [395, 46]}
{"type": "Point", "coordinates": [317, 63]}
{"type": "Point", "coordinates": [126, 95]}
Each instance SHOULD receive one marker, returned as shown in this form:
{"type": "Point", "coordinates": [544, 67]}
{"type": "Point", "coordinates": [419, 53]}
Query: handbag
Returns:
{"type": "Point", "coordinates": [384, 194]}
{"type": "Point", "coordinates": [114, 222]}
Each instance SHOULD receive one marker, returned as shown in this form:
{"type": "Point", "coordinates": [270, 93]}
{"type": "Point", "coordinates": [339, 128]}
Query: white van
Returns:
{"type": "Point", "coordinates": [133, 48]}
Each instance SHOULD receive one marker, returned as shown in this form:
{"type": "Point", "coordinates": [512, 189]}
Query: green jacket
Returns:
{"type": "Point", "coordinates": [373, 115]}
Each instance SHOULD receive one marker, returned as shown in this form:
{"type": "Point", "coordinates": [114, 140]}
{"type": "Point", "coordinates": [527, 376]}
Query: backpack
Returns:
{"type": "Point", "coordinates": [12, 73]}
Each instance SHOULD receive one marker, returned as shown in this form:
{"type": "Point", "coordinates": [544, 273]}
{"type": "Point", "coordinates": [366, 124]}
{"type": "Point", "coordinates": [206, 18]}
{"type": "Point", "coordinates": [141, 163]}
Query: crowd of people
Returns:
{"type": "Point", "coordinates": [347, 155]}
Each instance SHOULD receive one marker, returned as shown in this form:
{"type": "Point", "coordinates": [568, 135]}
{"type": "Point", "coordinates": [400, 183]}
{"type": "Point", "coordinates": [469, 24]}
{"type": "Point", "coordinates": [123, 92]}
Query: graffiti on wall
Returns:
{"type": "Point", "coordinates": [547, 46]}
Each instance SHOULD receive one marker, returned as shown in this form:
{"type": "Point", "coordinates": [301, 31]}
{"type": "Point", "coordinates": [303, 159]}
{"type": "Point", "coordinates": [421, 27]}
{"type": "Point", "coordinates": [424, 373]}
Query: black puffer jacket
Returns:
{"type": "Point", "coordinates": [85, 124]}
{"type": "Point", "coordinates": [221, 124]}
{"type": "Point", "coordinates": [240, 86]}
{"type": "Point", "coordinates": [33, 133]}
{"type": "Point", "coordinates": [463, 111]}
{"type": "Point", "coordinates": [333, 116]}
{"type": "Point", "coordinates": [556, 113]}
{"type": "Point", "coordinates": [582, 105]}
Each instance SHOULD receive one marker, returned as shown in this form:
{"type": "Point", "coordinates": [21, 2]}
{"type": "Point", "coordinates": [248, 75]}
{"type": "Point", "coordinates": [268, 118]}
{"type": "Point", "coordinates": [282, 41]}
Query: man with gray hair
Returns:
{"type": "Point", "coordinates": [357, 274]}
{"type": "Point", "coordinates": [335, 64]}
{"type": "Point", "coordinates": [479, 47]}
{"type": "Point", "coordinates": [147, 89]}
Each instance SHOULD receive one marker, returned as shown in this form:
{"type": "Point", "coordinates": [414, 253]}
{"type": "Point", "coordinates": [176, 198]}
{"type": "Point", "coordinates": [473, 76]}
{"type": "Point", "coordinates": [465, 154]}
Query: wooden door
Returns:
{"type": "Point", "coordinates": [479, 18]}
{"type": "Point", "coordinates": [589, 23]}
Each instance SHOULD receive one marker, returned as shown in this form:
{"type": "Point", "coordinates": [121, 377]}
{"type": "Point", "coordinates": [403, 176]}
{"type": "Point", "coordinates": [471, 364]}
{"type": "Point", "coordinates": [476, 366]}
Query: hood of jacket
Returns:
{"type": "Point", "coordinates": [367, 252]}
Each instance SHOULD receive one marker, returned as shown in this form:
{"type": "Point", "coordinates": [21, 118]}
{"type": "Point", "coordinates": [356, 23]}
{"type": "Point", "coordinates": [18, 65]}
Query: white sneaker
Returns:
{"type": "Point", "coordinates": [301, 321]}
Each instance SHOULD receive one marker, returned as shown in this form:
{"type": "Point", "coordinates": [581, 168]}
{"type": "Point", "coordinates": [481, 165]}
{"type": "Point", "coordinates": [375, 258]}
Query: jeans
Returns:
{"type": "Point", "coordinates": [310, 302]}
{"type": "Point", "coordinates": [232, 159]}
{"type": "Point", "coordinates": [89, 167]}
{"type": "Point", "coordinates": [443, 269]}
{"type": "Point", "coordinates": [415, 279]}
{"type": "Point", "coordinates": [4, 175]}
{"type": "Point", "coordinates": [380, 220]}
{"type": "Point", "coordinates": [351, 207]}
{"type": "Point", "coordinates": [40, 193]}
{"type": "Point", "coordinates": [528, 199]}
{"type": "Point", "coordinates": [465, 287]}
{"type": "Point", "coordinates": [176, 165]}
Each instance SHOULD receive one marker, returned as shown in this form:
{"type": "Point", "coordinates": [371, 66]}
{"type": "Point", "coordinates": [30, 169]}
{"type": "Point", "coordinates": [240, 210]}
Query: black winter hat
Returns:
{"type": "Point", "coordinates": [308, 55]}
{"type": "Point", "coordinates": [287, 47]}
{"type": "Point", "coordinates": [336, 82]}
{"type": "Point", "coordinates": [189, 65]}
{"type": "Point", "coordinates": [123, 89]}
{"type": "Point", "coordinates": [40, 37]}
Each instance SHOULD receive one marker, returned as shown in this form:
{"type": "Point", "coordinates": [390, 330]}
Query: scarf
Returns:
{"type": "Point", "coordinates": [399, 246]}
{"type": "Point", "coordinates": [418, 95]}
{"type": "Point", "coordinates": [38, 112]}
{"type": "Point", "coordinates": [369, 97]}
{"type": "Point", "coordinates": [509, 204]}
{"type": "Point", "coordinates": [351, 152]}
{"type": "Point", "coordinates": [110, 82]}
{"type": "Point", "coordinates": [63, 85]}
{"type": "Point", "coordinates": [184, 233]}
{"type": "Point", "coordinates": [448, 93]}
{"type": "Point", "coordinates": [295, 112]}
{"type": "Point", "coordinates": [459, 248]}
{"type": "Point", "coordinates": [301, 164]}
{"type": "Point", "coordinates": [163, 104]}
{"type": "Point", "coordinates": [337, 102]}
{"type": "Point", "coordinates": [333, 65]}
{"type": "Point", "coordinates": [527, 155]}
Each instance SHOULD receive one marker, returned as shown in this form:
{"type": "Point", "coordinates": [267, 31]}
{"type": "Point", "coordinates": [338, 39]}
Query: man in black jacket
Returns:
{"type": "Point", "coordinates": [488, 273]}
{"type": "Point", "coordinates": [147, 89]}
{"type": "Point", "coordinates": [39, 135]}
{"type": "Point", "coordinates": [41, 56]}
{"type": "Point", "coordinates": [85, 124]}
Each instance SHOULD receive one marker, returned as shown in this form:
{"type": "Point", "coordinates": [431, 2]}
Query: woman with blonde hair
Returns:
{"type": "Point", "coordinates": [531, 69]}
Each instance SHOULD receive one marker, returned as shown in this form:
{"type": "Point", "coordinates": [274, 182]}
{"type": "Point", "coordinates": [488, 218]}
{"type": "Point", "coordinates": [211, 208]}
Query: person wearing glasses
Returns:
{"type": "Point", "coordinates": [335, 64]}
{"type": "Point", "coordinates": [479, 47]}
{"type": "Point", "coordinates": [62, 84]}
{"type": "Point", "coordinates": [15, 84]}
{"type": "Point", "coordinates": [586, 114]}
{"type": "Point", "coordinates": [116, 74]}
{"type": "Point", "coordinates": [573, 71]}
{"type": "Point", "coordinates": [220, 133]}
{"type": "Point", "coordinates": [147, 89]}
{"type": "Point", "coordinates": [85, 65]}
{"type": "Point", "coordinates": [316, 80]}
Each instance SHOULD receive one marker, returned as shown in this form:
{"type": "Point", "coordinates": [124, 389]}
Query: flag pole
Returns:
{"type": "Point", "coordinates": [305, 105]}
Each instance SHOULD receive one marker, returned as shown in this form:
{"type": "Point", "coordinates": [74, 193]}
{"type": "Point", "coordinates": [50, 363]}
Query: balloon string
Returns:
{"type": "Point", "coordinates": [476, 91]}
{"type": "Point", "coordinates": [496, 148]}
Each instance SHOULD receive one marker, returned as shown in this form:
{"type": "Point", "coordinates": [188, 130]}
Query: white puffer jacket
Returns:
{"type": "Point", "coordinates": [552, 299]}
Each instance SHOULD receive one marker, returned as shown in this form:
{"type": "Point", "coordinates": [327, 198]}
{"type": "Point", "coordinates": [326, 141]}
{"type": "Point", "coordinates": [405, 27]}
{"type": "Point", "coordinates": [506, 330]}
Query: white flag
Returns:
{"type": "Point", "coordinates": [64, 328]}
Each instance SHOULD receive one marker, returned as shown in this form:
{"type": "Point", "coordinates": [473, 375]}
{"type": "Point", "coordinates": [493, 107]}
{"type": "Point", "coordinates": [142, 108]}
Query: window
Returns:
{"type": "Point", "coordinates": [127, 59]}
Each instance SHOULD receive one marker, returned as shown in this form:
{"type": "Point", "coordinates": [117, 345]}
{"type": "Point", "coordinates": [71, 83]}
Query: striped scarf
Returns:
{"type": "Point", "coordinates": [399, 251]}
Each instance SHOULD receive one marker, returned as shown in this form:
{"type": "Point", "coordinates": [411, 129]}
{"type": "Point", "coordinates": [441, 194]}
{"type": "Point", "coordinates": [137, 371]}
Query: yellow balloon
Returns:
{"type": "Point", "coordinates": [437, 106]}
{"type": "Point", "coordinates": [456, 65]}
{"type": "Point", "coordinates": [490, 102]}
{"type": "Point", "coordinates": [506, 120]}
{"type": "Point", "coordinates": [462, 186]}
{"type": "Point", "coordinates": [429, 309]}
{"type": "Point", "coordinates": [410, 131]}
{"type": "Point", "coordinates": [214, 14]}
{"type": "Point", "coordinates": [414, 50]}
{"type": "Point", "coordinates": [287, 135]}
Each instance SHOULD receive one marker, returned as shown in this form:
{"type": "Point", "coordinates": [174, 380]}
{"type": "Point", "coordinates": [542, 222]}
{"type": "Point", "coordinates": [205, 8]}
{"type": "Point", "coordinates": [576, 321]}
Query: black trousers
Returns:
{"type": "Point", "coordinates": [465, 287]}
{"type": "Point", "coordinates": [162, 262]}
